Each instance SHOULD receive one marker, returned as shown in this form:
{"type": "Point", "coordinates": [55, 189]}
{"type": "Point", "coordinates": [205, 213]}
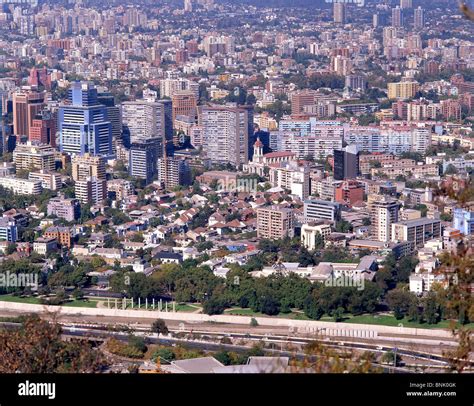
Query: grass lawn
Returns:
{"type": "Point", "coordinates": [18, 299]}
{"type": "Point", "coordinates": [35, 300]}
{"type": "Point", "coordinates": [242, 312]}
{"type": "Point", "coordinates": [386, 320]}
{"type": "Point", "coordinates": [383, 320]}
{"type": "Point", "coordinates": [183, 307]}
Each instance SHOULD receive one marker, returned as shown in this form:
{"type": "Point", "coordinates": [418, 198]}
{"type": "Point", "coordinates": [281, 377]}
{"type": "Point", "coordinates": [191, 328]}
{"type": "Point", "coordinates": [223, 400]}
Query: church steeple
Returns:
{"type": "Point", "coordinates": [257, 150]}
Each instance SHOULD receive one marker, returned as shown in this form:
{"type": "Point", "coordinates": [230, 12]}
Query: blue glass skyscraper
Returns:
{"type": "Point", "coordinates": [83, 124]}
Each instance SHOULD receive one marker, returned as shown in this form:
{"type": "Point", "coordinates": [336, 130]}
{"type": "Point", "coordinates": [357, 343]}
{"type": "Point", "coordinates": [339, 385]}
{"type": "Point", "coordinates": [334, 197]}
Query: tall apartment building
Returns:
{"type": "Point", "coordinates": [397, 17]}
{"type": "Point", "coordinates": [188, 6]}
{"type": "Point", "coordinates": [275, 223]}
{"type": "Point", "coordinates": [145, 119]}
{"type": "Point", "coordinates": [218, 45]}
{"type": "Point", "coordinates": [383, 213]}
{"type": "Point", "coordinates": [168, 87]}
{"type": "Point", "coordinates": [88, 172]}
{"type": "Point", "coordinates": [173, 171]}
{"type": "Point", "coordinates": [315, 209]}
{"type": "Point", "coordinates": [67, 209]}
{"type": "Point", "coordinates": [402, 90]}
{"type": "Point", "coordinates": [86, 166]}
{"type": "Point", "coordinates": [393, 140]}
{"type": "Point", "coordinates": [356, 82]}
{"type": "Point", "coordinates": [144, 158]}
{"type": "Point", "coordinates": [418, 18]}
{"type": "Point", "coordinates": [83, 123]}
{"type": "Point", "coordinates": [226, 134]}
{"type": "Point", "coordinates": [34, 156]}
{"type": "Point", "coordinates": [91, 190]}
{"type": "Point", "coordinates": [27, 103]}
{"type": "Point", "coordinates": [312, 145]}
{"type": "Point", "coordinates": [339, 13]}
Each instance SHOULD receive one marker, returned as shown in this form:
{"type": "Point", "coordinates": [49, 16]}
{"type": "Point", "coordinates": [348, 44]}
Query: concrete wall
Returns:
{"type": "Point", "coordinates": [301, 326]}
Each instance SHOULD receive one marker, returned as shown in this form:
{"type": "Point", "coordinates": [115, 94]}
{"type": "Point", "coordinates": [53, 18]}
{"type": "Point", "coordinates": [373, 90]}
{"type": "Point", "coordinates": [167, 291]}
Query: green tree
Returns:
{"type": "Point", "coordinates": [159, 327]}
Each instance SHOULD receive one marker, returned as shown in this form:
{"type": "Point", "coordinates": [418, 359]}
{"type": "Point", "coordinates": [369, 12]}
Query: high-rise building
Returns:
{"type": "Point", "coordinates": [402, 90]}
{"type": "Point", "coordinates": [114, 115]}
{"type": "Point", "coordinates": [339, 13]}
{"type": "Point", "coordinates": [43, 129]}
{"type": "Point", "coordinates": [145, 119]}
{"type": "Point", "coordinates": [275, 223]}
{"type": "Point", "coordinates": [315, 209]}
{"type": "Point", "coordinates": [346, 163]}
{"type": "Point", "coordinates": [67, 209]}
{"type": "Point", "coordinates": [226, 134]}
{"type": "Point", "coordinates": [173, 171]}
{"type": "Point", "coordinates": [184, 104]}
{"type": "Point", "coordinates": [293, 177]}
{"type": "Point", "coordinates": [27, 103]}
{"type": "Point", "coordinates": [188, 6]}
{"type": "Point", "coordinates": [144, 156]}
{"type": "Point", "coordinates": [404, 4]}
{"type": "Point", "coordinates": [21, 186]}
{"type": "Point", "coordinates": [418, 18]}
{"type": "Point", "coordinates": [181, 56]}
{"type": "Point", "coordinates": [31, 156]}
{"type": "Point", "coordinates": [397, 17]}
{"type": "Point", "coordinates": [383, 213]}
{"type": "Point", "coordinates": [83, 124]}
{"type": "Point", "coordinates": [416, 231]}
{"type": "Point", "coordinates": [168, 87]}
{"type": "Point", "coordinates": [87, 166]}
{"type": "Point", "coordinates": [218, 45]}
{"type": "Point", "coordinates": [463, 220]}
{"type": "Point", "coordinates": [91, 190]}
{"type": "Point", "coordinates": [301, 99]}
{"type": "Point", "coordinates": [356, 82]}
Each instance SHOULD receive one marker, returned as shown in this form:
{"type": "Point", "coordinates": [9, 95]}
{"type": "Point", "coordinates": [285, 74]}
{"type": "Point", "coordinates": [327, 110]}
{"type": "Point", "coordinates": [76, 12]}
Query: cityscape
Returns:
{"type": "Point", "coordinates": [246, 186]}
